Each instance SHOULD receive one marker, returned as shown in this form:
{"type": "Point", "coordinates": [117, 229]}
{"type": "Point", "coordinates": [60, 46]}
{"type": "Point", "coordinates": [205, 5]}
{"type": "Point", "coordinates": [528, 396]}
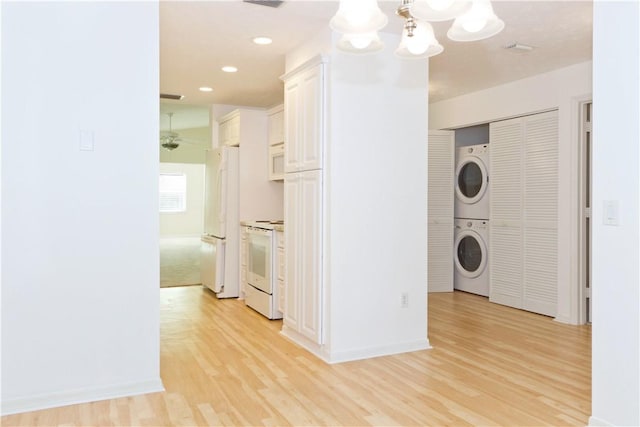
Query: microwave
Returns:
{"type": "Point", "coordinates": [276, 162]}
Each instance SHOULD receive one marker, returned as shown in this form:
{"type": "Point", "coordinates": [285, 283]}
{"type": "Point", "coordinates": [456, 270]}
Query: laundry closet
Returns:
{"type": "Point", "coordinates": [493, 191]}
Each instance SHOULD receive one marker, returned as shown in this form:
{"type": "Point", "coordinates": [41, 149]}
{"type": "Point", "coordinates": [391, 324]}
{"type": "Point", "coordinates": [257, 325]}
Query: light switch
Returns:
{"type": "Point", "coordinates": [86, 140]}
{"type": "Point", "coordinates": [610, 212]}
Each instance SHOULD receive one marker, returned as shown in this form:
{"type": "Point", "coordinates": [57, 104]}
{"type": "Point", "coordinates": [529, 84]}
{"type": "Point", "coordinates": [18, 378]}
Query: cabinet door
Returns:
{"type": "Point", "coordinates": [292, 149]}
{"type": "Point", "coordinates": [234, 131]}
{"type": "Point", "coordinates": [292, 239]}
{"type": "Point", "coordinates": [304, 120]}
{"type": "Point", "coordinates": [276, 128]}
{"type": "Point", "coordinates": [223, 134]}
{"type": "Point", "coordinates": [243, 258]}
{"type": "Point", "coordinates": [312, 100]}
{"type": "Point", "coordinates": [310, 213]}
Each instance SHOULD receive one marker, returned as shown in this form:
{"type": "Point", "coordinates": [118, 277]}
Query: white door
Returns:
{"type": "Point", "coordinates": [440, 201]}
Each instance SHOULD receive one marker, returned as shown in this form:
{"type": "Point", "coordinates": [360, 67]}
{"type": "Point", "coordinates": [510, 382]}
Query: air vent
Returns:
{"type": "Point", "coordinates": [270, 3]}
{"type": "Point", "coordinates": [171, 96]}
{"type": "Point", "coordinates": [519, 46]}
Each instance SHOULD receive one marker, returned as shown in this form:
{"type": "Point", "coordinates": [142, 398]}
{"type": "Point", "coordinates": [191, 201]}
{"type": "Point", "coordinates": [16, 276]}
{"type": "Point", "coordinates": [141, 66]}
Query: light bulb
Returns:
{"type": "Point", "coordinates": [360, 42]}
{"type": "Point", "coordinates": [473, 24]}
{"type": "Point", "coordinates": [419, 42]}
{"type": "Point", "coordinates": [440, 4]}
{"type": "Point", "coordinates": [358, 13]}
{"type": "Point", "coordinates": [416, 47]}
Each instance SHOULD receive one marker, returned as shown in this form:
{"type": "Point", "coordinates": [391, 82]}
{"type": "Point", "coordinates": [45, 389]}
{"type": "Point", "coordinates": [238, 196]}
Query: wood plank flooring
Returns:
{"type": "Point", "coordinates": [224, 364]}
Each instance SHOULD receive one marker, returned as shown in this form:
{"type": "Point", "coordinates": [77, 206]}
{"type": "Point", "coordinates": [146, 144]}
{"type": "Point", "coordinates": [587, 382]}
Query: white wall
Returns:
{"type": "Point", "coordinates": [376, 173]}
{"type": "Point", "coordinates": [560, 89]}
{"type": "Point", "coordinates": [260, 199]}
{"type": "Point", "coordinates": [190, 222]}
{"type": "Point", "coordinates": [616, 176]}
{"type": "Point", "coordinates": [80, 306]}
{"type": "Point", "coordinates": [375, 194]}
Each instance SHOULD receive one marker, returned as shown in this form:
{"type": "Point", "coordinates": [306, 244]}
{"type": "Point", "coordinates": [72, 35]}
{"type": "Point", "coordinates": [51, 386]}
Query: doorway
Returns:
{"type": "Point", "coordinates": [585, 181]}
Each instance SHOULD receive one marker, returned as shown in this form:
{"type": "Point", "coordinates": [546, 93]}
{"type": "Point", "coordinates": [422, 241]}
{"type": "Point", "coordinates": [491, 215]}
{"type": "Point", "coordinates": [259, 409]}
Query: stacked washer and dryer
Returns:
{"type": "Point", "coordinates": [471, 220]}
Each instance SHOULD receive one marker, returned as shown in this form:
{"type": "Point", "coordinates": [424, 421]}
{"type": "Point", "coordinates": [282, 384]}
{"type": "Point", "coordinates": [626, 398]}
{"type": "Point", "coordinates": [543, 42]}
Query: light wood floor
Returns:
{"type": "Point", "coordinates": [223, 364]}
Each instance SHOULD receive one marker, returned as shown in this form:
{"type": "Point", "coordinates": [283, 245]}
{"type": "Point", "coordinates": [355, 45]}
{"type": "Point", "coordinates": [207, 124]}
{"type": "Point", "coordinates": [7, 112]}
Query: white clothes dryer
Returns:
{"type": "Point", "coordinates": [472, 182]}
{"type": "Point", "coordinates": [471, 256]}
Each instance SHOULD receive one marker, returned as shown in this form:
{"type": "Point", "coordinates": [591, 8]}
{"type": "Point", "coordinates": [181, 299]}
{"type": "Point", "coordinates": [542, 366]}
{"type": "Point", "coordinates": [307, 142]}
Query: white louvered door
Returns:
{"type": "Point", "coordinates": [523, 223]}
{"type": "Point", "coordinates": [540, 213]}
{"type": "Point", "coordinates": [440, 198]}
{"type": "Point", "coordinates": [505, 224]}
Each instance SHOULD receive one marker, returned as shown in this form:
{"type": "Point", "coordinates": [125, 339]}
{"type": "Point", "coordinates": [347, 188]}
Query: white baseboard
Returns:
{"type": "Point", "coordinates": [597, 422]}
{"type": "Point", "coordinates": [386, 350]}
{"type": "Point", "coordinates": [72, 397]}
{"type": "Point", "coordinates": [331, 357]}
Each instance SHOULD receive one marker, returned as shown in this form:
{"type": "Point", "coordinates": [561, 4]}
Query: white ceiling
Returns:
{"type": "Point", "coordinates": [197, 38]}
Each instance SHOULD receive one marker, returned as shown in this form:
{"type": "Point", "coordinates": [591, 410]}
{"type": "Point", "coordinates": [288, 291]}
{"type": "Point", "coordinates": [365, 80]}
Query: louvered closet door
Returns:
{"type": "Point", "coordinates": [540, 213]}
{"type": "Point", "coordinates": [524, 213]}
{"type": "Point", "coordinates": [440, 198]}
{"type": "Point", "coordinates": [505, 225]}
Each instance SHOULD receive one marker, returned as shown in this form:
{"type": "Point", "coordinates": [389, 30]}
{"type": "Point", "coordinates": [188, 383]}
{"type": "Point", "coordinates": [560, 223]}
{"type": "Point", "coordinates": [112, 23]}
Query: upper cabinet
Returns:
{"type": "Point", "coordinates": [229, 129]}
{"type": "Point", "coordinates": [304, 119]}
{"type": "Point", "coordinates": [276, 125]}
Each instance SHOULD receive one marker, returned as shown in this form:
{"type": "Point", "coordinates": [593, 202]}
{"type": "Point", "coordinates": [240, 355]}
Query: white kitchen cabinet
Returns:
{"type": "Point", "coordinates": [280, 265]}
{"type": "Point", "coordinates": [523, 223]}
{"type": "Point", "coordinates": [303, 242]}
{"type": "Point", "coordinates": [304, 119]}
{"type": "Point", "coordinates": [440, 196]}
{"type": "Point", "coordinates": [244, 254]}
{"type": "Point", "coordinates": [276, 162]}
{"type": "Point", "coordinates": [229, 129]}
{"type": "Point", "coordinates": [276, 125]}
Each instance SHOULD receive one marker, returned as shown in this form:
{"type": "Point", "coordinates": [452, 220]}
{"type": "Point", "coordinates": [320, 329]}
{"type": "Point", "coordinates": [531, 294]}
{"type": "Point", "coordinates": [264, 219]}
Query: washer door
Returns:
{"type": "Point", "coordinates": [470, 254]}
{"type": "Point", "coordinates": [471, 180]}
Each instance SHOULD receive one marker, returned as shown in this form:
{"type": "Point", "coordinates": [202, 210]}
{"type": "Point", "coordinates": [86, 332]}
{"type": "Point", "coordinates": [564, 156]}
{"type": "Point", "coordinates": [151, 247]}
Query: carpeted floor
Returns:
{"type": "Point", "coordinates": [179, 261]}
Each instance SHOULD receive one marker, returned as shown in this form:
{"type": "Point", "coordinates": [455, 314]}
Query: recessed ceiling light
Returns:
{"type": "Point", "coordinates": [262, 40]}
{"type": "Point", "coordinates": [229, 69]}
{"type": "Point", "coordinates": [205, 89]}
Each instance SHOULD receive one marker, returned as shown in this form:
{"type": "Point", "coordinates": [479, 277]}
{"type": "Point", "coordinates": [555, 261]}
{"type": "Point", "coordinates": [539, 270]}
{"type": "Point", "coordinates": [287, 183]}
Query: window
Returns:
{"type": "Point", "coordinates": [173, 192]}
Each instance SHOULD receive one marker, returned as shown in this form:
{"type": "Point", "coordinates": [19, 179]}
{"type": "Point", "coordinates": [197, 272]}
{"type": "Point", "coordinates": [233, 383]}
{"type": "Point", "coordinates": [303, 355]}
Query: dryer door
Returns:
{"type": "Point", "coordinates": [472, 180]}
{"type": "Point", "coordinates": [470, 254]}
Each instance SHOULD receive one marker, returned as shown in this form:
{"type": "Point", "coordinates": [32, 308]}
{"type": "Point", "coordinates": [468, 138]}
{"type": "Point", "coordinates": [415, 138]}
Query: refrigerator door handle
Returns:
{"type": "Point", "coordinates": [222, 194]}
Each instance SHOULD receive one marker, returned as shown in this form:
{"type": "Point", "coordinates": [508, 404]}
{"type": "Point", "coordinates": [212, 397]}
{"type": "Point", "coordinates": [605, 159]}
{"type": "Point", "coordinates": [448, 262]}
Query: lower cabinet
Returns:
{"type": "Point", "coordinates": [280, 265]}
{"type": "Point", "coordinates": [244, 248]}
{"type": "Point", "coordinates": [303, 270]}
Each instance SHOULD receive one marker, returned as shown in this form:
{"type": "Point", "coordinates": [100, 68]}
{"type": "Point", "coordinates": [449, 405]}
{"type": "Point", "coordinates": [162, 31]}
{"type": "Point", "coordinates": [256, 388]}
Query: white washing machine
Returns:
{"type": "Point", "coordinates": [471, 256]}
{"type": "Point", "coordinates": [472, 182]}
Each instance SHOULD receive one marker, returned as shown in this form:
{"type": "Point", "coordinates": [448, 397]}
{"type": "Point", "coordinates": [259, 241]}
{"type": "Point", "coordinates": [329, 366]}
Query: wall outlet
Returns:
{"type": "Point", "coordinates": [404, 300]}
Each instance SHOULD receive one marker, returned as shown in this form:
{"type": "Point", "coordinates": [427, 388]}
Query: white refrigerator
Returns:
{"type": "Point", "coordinates": [219, 271]}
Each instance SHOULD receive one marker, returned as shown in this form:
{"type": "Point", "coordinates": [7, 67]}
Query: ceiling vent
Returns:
{"type": "Point", "coordinates": [171, 96]}
{"type": "Point", "coordinates": [270, 3]}
{"type": "Point", "coordinates": [519, 47]}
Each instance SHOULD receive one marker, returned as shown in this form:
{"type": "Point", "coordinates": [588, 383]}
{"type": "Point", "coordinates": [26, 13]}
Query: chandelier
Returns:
{"type": "Point", "coordinates": [360, 20]}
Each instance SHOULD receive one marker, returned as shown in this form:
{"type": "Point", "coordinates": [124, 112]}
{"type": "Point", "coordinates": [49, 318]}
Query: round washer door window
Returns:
{"type": "Point", "coordinates": [470, 254]}
{"type": "Point", "coordinates": [472, 180]}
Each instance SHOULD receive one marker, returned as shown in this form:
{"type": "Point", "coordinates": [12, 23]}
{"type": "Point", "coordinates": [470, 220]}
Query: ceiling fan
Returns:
{"type": "Point", "coordinates": [170, 140]}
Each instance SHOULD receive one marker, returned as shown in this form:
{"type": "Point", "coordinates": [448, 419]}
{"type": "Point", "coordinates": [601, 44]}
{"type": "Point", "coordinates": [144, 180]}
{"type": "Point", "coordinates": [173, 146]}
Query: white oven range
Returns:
{"type": "Point", "coordinates": [261, 292]}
